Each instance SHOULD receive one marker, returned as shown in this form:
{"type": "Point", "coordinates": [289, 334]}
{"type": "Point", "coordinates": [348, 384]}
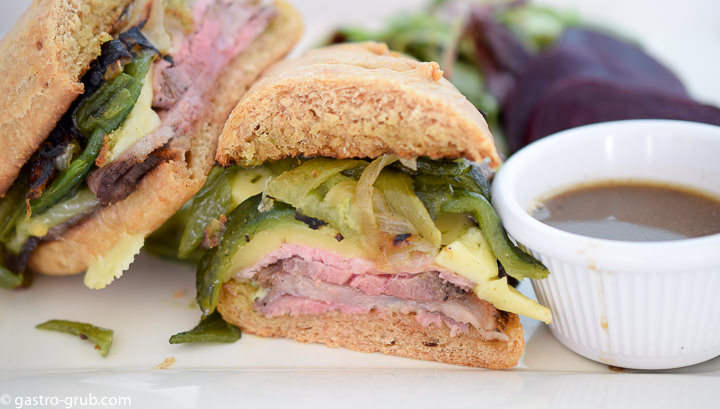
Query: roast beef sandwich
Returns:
{"type": "Point", "coordinates": [109, 118]}
{"type": "Point", "coordinates": [353, 210]}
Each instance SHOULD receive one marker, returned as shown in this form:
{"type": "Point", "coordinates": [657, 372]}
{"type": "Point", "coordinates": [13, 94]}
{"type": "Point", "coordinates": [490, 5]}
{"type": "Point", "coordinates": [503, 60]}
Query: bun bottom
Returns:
{"type": "Point", "coordinates": [389, 333]}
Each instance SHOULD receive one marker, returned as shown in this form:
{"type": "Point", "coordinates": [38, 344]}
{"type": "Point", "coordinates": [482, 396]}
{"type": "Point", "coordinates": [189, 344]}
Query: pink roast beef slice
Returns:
{"type": "Point", "coordinates": [459, 306]}
{"type": "Point", "coordinates": [224, 30]}
{"type": "Point", "coordinates": [334, 268]}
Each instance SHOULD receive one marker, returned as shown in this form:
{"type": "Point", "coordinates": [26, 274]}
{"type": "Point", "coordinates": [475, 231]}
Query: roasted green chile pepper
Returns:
{"type": "Point", "coordinates": [460, 173]}
{"type": "Point", "coordinates": [436, 180]}
{"type": "Point", "coordinates": [243, 222]}
{"type": "Point", "coordinates": [433, 196]}
{"type": "Point", "coordinates": [82, 202]}
{"type": "Point", "coordinates": [213, 200]}
{"type": "Point", "coordinates": [210, 329]}
{"type": "Point", "coordinates": [165, 241]}
{"type": "Point", "coordinates": [108, 107]}
{"type": "Point", "coordinates": [102, 337]}
{"type": "Point", "coordinates": [98, 115]}
{"type": "Point", "coordinates": [10, 280]}
{"type": "Point", "coordinates": [12, 208]}
{"type": "Point", "coordinates": [516, 263]}
{"type": "Point", "coordinates": [70, 178]}
{"type": "Point", "coordinates": [216, 198]}
{"type": "Point", "coordinates": [449, 186]}
{"type": "Point", "coordinates": [459, 186]}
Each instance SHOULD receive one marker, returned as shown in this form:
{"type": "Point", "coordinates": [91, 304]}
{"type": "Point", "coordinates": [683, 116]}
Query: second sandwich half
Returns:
{"type": "Point", "coordinates": [107, 162]}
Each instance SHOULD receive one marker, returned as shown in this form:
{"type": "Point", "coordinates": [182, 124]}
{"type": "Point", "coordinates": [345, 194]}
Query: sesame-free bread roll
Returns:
{"type": "Point", "coordinates": [354, 101]}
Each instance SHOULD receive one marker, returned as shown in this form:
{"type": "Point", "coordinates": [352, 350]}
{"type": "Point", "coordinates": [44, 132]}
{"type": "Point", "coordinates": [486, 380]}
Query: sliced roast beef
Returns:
{"type": "Point", "coordinates": [317, 271]}
{"type": "Point", "coordinates": [420, 287]}
{"type": "Point", "coordinates": [126, 175]}
{"type": "Point", "coordinates": [308, 280]}
{"type": "Point", "coordinates": [311, 295]}
{"type": "Point", "coordinates": [427, 319]}
{"type": "Point", "coordinates": [280, 304]}
{"type": "Point", "coordinates": [224, 30]}
{"type": "Point", "coordinates": [334, 268]}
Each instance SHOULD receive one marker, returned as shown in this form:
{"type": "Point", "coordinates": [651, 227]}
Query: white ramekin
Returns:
{"type": "Point", "coordinates": [643, 305]}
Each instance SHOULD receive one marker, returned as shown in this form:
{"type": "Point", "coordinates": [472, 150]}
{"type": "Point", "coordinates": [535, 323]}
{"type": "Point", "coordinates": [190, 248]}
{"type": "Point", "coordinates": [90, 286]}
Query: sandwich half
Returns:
{"type": "Point", "coordinates": [109, 120]}
{"type": "Point", "coordinates": [353, 211]}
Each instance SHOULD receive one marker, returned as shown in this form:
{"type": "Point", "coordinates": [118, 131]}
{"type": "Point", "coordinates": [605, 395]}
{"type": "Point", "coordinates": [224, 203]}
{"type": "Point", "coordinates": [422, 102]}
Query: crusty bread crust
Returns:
{"type": "Point", "coordinates": [43, 58]}
{"type": "Point", "coordinates": [167, 187]}
{"type": "Point", "coordinates": [354, 100]}
{"type": "Point", "coordinates": [392, 334]}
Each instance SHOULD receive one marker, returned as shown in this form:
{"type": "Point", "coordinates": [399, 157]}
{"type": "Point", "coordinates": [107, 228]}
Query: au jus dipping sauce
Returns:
{"type": "Point", "coordinates": [632, 211]}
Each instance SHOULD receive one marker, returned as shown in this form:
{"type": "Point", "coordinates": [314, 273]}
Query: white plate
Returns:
{"type": "Point", "coordinates": [153, 301]}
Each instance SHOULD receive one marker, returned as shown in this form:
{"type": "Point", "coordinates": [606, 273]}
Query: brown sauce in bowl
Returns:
{"type": "Point", "coordinates": [632, 211]}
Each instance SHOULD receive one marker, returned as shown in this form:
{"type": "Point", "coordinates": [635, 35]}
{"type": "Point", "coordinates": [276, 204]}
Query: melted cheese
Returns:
{"type": "Point", "coordinates": [141, 121]}
{"type": "Point", "coordinates": [103, 269]}
{"type": "Point", "coordinates": [154, 29]}
{"type": "Point", "coordinates": [248, 182]}
{"type": "Point", "coordinates": [82, 202]}
{"type": "Point", "coordinates": [470, 256]}
{"type": "Point", "coordinates": [266, 241]}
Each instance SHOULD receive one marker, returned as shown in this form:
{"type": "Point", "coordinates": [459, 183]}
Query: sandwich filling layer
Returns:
{"type": "Point", "coordinates": [305, 280]}
{"type": "Point", "coordinates": [321, 235]}
{"type": "Point", "coordinates": [142, 101]}
{"type": "Point", "coordinates": [180, 85]}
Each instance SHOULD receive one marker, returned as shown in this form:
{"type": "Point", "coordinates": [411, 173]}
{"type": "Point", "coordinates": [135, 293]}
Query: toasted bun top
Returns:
{"type": "Point", "coordinates": [43, 58]}
{"type": "Point", "coordinates": [354, 100]}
